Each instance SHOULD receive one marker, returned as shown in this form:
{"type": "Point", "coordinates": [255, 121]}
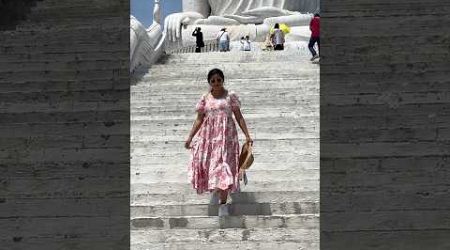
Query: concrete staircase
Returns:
{"type": "Point", "coordinates": [279, 207]}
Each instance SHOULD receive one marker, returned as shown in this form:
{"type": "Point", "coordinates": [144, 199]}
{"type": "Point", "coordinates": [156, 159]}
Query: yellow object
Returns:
{"type": "Point", "coordinates": [286, 29]}
{"type": "Point", "coordinates": [283, 27]}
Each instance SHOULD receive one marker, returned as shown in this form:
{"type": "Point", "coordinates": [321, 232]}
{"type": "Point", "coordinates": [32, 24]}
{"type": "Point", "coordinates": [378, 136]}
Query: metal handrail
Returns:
{"type": "Point", "coordinates": [210, 46]}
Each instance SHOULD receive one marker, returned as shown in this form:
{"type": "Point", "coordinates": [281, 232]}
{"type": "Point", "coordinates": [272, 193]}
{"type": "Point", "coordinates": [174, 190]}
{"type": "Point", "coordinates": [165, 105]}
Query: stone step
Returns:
{"type": "Point", "coordinates": [186, 120]}
{"type": "Point", "coordinates": [234, 56]}
{"type": "Point", "coordinates": [182, 159]}
{"type": "Point", "coordinates": [248, 112]}
{"type": "Point", "coordinates": [244, 93]}
{"type": "Point", "coordinates": [298, 164]}
{"type": "Point", "coordinates": [258, 133]}
{"type": "Point", "coordinates": [203, 66]}
{"type": "Point", "coordinates": [235, 209]}
{"type": "Point", "coordinates": [278, 100]}
{"type": "Point", "coordinates": [256, 173]}
{"type": "Point", "coordinates": [214, 222]}
{"type": "Point", "coordinates": [195, 88]}
{"type": "Point", "coordinates": [262, 162]}
{"type": "Point", "coordinates": [145, 198]}
{"type": "Point", "coordinates": [173, 148]}
{"type": "Point", "coordinates": [231, 238]}
{"type": "Point", "coordinates": [253, 186]}
{"type": "Point", "coordinates": [262, 154]}
{"type": "Point", "coordinates": [175, 127]}
{"type": "Point", "coordinates": [230, 73]}
{"type": "Point", "coordinates": [250, 105]}
{"type": "Point", "coordinates": [238, 245]}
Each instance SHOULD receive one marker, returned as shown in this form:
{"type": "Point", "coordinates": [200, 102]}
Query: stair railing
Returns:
{"type": "Point", "coordinates": [210, 46]}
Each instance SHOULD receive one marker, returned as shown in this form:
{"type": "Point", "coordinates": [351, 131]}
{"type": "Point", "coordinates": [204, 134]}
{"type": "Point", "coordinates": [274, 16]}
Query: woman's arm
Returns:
{"type": "Point", "coordinates": [198, 122]}
{"type": "Point", "coordinates": [241, 121]}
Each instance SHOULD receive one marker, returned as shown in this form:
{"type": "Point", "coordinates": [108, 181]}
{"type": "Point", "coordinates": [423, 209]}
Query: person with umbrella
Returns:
{"type": "Point", "coordinates": [277, 37]}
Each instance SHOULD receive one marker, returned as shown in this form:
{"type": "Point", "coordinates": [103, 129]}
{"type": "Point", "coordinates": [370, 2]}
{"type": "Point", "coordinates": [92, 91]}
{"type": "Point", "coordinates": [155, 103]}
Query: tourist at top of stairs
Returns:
{"type": "Point", "coordinates": [277, 38]}
{"type": "Point", "coordinates": [314, 26]}
{"type": "Point", "coordinates": [224, 40]}
{"type": "Point", "coordinates": [198, 39]}
{"type": "Point", "coordinates": [246, 43]}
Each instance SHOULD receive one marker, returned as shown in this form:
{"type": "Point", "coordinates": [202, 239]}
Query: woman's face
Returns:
{"type": "Point", "coordinates": [216, 82]}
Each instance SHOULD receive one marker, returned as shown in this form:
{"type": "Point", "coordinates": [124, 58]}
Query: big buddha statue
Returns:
{"type": "Point", "coordinates": [240, 17]}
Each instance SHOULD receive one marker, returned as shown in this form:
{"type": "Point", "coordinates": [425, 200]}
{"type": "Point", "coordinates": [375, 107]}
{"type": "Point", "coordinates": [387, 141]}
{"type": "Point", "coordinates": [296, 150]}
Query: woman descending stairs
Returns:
{"type": "Point", "coordinates": [279, 207]}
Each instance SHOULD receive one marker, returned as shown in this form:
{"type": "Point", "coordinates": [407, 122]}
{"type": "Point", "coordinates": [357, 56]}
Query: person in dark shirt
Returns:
{"type": "Point", "coordinates": [314, 26]}
{"type": "Point", "coordinates": [198, 39]}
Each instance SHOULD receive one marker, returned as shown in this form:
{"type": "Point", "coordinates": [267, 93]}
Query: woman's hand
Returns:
{"type": "Point", "coordinates": [187, 144]}
{"type": "Point", "coordinates": [249, 140]}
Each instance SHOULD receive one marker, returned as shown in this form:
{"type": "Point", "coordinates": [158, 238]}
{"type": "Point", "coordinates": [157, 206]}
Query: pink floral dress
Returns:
{"type": "Point", "coordinates": [214, 159]}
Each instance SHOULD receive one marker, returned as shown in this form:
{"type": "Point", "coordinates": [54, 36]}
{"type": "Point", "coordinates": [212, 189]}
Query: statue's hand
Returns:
{"type": "Point", "coordinates": [173, 22]}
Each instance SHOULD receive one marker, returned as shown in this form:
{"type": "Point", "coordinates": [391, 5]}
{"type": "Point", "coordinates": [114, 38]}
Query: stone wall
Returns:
{"type": "Point", "coordinates": [385, 125]}
{"type": "Point", "coordinates": [14, 11]}
{"type": "Point", "coordinates": [64, 126]}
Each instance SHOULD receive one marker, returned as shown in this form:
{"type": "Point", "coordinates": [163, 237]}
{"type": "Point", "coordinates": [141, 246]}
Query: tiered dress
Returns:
{"type": "Point", "coordinates": [214, 162]}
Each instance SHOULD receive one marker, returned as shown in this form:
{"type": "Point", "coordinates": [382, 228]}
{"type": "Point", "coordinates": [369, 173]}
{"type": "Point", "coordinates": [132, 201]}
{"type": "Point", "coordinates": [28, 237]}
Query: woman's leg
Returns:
{"type": "Point", "coordinates": [223, 196]}
{"type": "Point", "coordinates": [311, 46]}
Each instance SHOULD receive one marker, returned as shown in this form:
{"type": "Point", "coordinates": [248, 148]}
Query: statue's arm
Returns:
{"type": "Point", "coordinates": [290, 20]}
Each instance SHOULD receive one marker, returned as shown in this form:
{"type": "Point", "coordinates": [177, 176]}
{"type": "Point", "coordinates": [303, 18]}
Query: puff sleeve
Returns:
{"type": "Point", "coordinates": [201, 105]}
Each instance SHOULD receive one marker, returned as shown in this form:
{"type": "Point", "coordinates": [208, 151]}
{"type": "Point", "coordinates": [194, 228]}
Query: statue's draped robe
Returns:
{"type": "Point", "coordinates": [237, 7]}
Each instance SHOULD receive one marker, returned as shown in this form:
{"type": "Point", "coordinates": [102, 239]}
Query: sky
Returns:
{"type": "Point", "coordinates": [143, 9]}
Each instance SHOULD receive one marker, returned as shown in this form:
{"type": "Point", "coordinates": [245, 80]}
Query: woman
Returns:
{"type": "Point", "coordinates": [214, 164]}
{"type": "Point", "coordinates": [277, 38]}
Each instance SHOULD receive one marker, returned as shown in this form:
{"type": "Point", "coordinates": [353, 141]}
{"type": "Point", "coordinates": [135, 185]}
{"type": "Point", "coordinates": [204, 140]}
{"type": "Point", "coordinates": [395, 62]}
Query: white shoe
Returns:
{"type": "Point", "coordinates": [314, 57]}
{"type": "Point", "coordinates": [223, 210]}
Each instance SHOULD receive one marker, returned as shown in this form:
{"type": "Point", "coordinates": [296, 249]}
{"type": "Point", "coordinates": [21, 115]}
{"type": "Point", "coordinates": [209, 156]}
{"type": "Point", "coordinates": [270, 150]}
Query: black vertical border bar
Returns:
{"type": "Point", "coordinates": [385, 109]}
{"type": "Point", "coordinates": [65, 125]}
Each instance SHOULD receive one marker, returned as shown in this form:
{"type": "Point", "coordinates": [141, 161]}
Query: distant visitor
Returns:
{"type": "Point", "coordinates": [199, 43]}
{"type": "Point", "coordinates": [314, 26]}
{"type": "Point", "coordinates": [224, 40]}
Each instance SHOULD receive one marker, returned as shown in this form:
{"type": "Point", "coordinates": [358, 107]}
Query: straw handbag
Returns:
{"type": "Point", "coordinates": [246, 157]}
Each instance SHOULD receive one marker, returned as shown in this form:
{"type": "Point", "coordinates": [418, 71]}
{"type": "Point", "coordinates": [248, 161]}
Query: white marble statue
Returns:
{"type": "Point", "coordinates": [243, 17]}
{"type": "Point", "coordinates": [146, 45]}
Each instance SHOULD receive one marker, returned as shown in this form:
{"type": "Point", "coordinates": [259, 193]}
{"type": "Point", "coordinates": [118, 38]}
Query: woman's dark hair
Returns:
{"type": "Point", "coordinates": [277, 26]}
{"type": "Point", "coordinates": [317, 14]}
{"type": "Point", "coordinates": [215, 71]}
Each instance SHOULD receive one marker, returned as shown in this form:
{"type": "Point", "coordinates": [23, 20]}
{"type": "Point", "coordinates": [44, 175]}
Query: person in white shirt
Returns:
{"type": "Point", "coordinates": [224, 40]}
{"type": "Point", "coordinates": [277, 38]}
{"type": "Point", "coordinates": [246, 44]}
{"type": "Point", "coordinates": [242, 43]}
